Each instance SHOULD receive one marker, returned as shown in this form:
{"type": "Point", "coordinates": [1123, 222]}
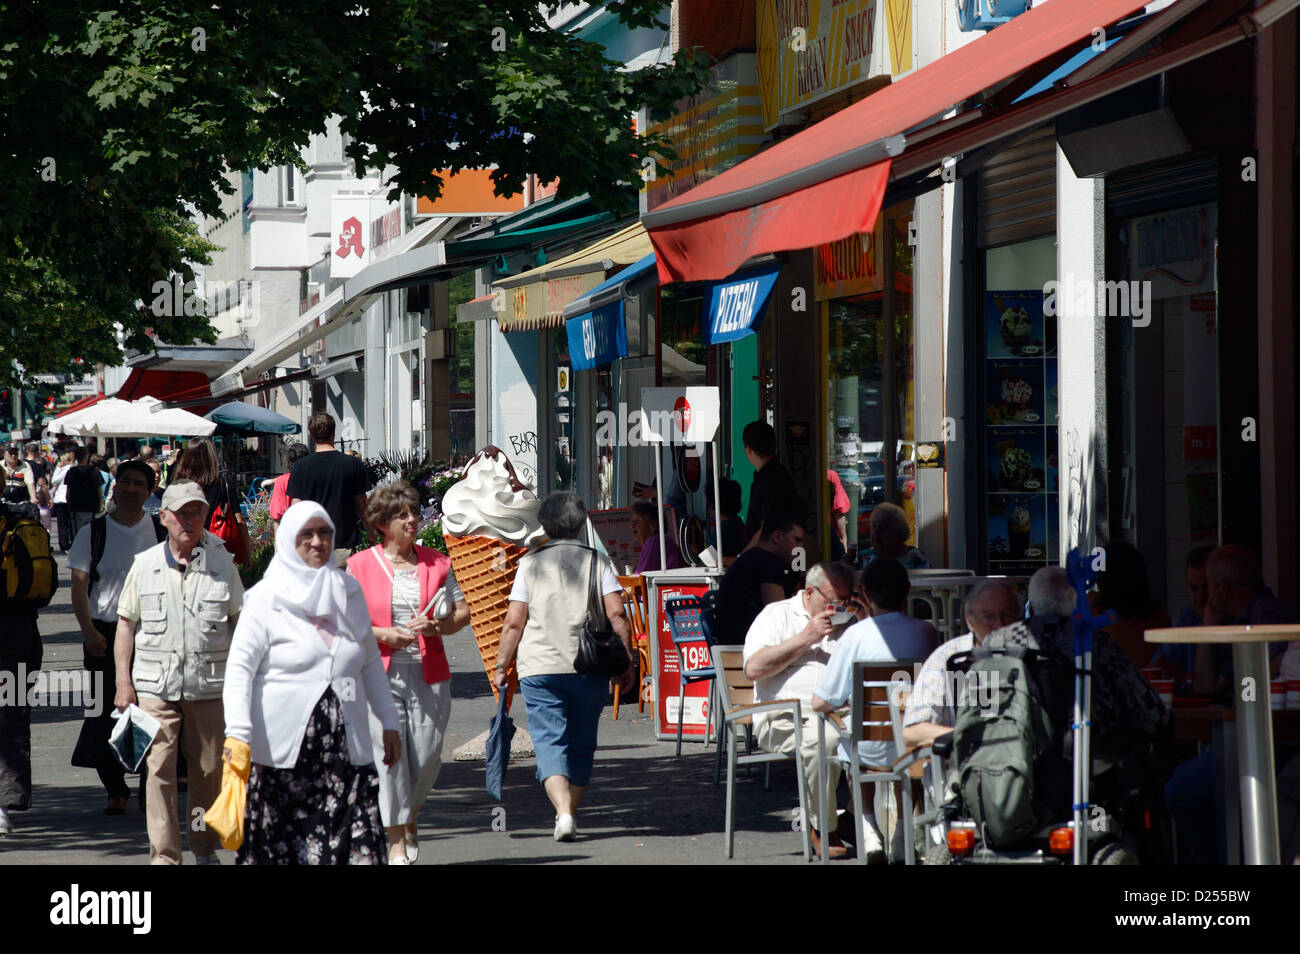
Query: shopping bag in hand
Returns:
{"type": "Point", "coordinates": [132, 736]}
{"type": "Point", "coordinates": [226, 816]}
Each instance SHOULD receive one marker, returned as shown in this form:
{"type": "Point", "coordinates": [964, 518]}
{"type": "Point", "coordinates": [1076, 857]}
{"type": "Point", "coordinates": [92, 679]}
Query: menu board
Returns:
{"type": "Point", "coordinates": [614, 527]}
{"type": "Point", "coordinates": [1022, 477]}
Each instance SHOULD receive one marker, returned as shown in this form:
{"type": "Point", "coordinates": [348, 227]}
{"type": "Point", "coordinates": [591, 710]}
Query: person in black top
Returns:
{"type": "Point", "coordinates": [733, 528]}
{"type": "Point", "coordinates": [40, 468]}
{"type": "Point", "coordinates": [337, 482]}
{"type": "Point", "coordinates": [773, 490]}
{"type": "Point", "coordinates": [760, 575]}
{"type": "Point", "coordinates": [85, 490]}
{"type": "Point", "coordinates": [201, 464]}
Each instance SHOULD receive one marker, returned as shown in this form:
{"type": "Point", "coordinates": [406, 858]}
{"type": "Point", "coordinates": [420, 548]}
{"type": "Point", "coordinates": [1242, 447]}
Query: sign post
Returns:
{"type": "Point", "coordinates": [675, 416]}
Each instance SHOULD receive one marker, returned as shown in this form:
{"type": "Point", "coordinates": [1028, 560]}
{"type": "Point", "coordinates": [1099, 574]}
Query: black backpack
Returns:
{"type": "Point", "coordinates": [99, 538]}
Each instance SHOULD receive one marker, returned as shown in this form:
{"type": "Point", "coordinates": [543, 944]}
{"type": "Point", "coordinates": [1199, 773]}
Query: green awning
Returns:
{"type": "Point", "coordinates": [522, 238]}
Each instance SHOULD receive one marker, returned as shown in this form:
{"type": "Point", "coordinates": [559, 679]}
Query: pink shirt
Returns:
{"type": "Point", "coordinates": [280, 497]}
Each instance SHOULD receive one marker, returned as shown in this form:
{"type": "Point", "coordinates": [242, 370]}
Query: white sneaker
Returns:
{"type": "Point", "coordinates": [399, 860]}
{"type": "Point", "coordinates": [875, 846]}
{"type": "Point", "coordinates": [566, 829]}
{"type": "Point", "coordinates": [6, 826]}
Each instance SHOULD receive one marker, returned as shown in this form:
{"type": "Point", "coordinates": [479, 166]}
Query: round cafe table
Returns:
{"type": "Point", "coordinates": [1254, 725]}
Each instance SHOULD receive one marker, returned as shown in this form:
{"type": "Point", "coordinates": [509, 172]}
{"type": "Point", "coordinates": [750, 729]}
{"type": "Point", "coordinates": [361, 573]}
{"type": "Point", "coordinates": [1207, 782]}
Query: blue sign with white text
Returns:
{"type": "Point", "coordinates": [598, 337]}
{"type": "Point", "coordinates": [736, 305]}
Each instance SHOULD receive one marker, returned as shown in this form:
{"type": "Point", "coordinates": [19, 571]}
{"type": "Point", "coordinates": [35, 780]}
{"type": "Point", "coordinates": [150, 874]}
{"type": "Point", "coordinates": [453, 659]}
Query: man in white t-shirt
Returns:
{"type": "Point", "coordinates": [786, 651]}
{"type": "Point", "coordinates": [888, 635]}
{"type": "Point", "coordinates": [114, 539]}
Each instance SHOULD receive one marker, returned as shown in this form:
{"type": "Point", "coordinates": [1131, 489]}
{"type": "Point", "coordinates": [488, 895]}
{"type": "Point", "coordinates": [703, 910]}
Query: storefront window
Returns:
{"type": "Point", "coordinates": [869, 392]}
{"type": "Point", "coordinates": [461, 372]}
{"type": "Point", "coordinates": [684, 359]}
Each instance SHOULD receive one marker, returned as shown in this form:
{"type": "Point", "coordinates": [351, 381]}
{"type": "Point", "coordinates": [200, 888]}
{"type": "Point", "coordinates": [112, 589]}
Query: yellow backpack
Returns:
{"type": "Point", "coordinates": [28, 572]}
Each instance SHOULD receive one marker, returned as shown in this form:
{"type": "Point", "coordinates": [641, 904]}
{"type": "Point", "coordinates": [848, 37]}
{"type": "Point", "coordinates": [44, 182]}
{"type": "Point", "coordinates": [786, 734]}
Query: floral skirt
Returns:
{"type": "Point", "coordinates": [323, 811]}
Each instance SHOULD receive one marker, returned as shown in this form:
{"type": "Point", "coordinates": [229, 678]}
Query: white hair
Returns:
{"type": "Point", "coordinates": [1050, 593]}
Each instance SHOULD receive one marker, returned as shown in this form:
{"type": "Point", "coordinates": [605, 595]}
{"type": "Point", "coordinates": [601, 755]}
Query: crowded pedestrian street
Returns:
{"type": "Point", "coordinates": [682, 434]}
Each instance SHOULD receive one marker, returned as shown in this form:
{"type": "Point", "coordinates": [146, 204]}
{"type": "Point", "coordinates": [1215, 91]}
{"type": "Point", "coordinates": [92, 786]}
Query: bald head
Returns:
{"type": "Point", "coordinates": [1234, 579]}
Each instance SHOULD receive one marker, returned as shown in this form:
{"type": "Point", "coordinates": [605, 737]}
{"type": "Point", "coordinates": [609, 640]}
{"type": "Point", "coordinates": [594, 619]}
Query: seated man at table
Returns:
{"type": "Point", "coordinates": [758, 577]}
{"type": "Point", "coordinates": [1177, 659]}
{"type": "Point", "coordinates": [786, 651]}
{"type": "Point", "coordinates": [887, 635]}
{"type": "Point", "coordinates": [931, 708]}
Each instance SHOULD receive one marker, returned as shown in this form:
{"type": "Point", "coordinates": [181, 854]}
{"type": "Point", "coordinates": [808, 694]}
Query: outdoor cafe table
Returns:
{"type": "Point", "coordinates": [1254, 726]}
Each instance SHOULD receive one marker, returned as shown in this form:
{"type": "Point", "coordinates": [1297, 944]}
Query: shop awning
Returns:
{"type": "Point", "coordinates": [1118, 68]}
{"type": "Point", "coordinates": [79, 404]}
{"type": "Point", "coordinates": [736, 305]}
{"type": "Point", "coordinates": [536, 298]}
{"type": "Point", "coordinates": [828, 182]}
{"type": "Point", "coordinates": [164, 385]}
{"type": "Point", "coordinates": [616, 288]}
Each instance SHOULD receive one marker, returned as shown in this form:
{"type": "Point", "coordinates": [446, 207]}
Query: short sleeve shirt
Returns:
{"type": "Point", "coordinates": [773, 626]}
{"type": "Point", "coordinates": [121, 544]}
{"type": "Point", "coordinates": [932, 698]}
{"type": "Point", "coordinates": [334, 480]}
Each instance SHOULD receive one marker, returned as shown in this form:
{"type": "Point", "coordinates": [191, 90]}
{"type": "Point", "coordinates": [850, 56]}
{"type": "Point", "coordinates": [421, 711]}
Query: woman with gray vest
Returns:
{"type": "Point", "coordinates": [303, 673]}
{"type": "Point", "coordinates": [548, 607]}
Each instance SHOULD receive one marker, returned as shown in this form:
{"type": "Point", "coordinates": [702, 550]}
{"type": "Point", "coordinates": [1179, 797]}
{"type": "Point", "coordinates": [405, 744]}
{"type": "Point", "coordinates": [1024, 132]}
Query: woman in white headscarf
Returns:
{"type": "Point", "coordinates": [303, 670]}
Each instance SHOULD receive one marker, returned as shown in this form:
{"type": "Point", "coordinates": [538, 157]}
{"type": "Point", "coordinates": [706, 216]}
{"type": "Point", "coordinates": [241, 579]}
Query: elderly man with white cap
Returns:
{"type": "Point", "coordinates": [176, 614]}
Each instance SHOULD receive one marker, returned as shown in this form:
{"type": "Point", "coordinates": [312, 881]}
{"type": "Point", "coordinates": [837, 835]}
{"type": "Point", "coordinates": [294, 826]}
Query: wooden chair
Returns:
{"type": "Point", "coordinates": [634, 605]}
{"type": "Point", "coordinates": [875, 715]}
{"type": "Point", "coordinates": [736, 703]}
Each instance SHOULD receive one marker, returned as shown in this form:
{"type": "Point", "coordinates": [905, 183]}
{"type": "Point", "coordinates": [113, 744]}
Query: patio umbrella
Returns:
{"type": "Point", "coordinates": [249, 418]}
{"type": "Point", "coordinates": [139, 419]}
{"type": "Point", "coordinates": [80, 423]}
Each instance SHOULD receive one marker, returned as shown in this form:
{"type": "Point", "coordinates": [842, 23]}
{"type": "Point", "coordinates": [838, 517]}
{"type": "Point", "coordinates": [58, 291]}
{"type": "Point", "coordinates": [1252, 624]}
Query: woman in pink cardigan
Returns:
{"type": "Point", "coordinates": [413, 601]}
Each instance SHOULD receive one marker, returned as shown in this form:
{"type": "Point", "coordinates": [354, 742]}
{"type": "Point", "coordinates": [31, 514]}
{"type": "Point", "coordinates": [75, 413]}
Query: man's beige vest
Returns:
{"type": "Point", "coordinates": [184, 633]}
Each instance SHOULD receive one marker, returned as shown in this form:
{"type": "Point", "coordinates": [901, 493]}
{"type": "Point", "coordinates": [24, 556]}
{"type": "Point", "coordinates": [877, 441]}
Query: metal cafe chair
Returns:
{"type": "Point", "coordinates": [875, 715]}
{"type": "Point", "coordinates": [736, 703]}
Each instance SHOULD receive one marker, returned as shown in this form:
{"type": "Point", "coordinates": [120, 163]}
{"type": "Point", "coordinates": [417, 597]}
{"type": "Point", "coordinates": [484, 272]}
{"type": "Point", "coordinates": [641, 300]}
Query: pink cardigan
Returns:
{"type": "Point", "coordinates": [431, 568]}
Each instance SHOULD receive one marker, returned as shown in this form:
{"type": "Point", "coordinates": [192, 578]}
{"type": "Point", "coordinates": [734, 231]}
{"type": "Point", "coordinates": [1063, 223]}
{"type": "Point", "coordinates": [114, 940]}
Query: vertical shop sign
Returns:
{"type": "Point", "coordinates": [1020, 433]}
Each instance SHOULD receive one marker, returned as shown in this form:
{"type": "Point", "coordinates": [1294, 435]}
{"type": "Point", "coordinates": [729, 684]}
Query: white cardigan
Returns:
{"type": "Point", "coordinates": [278, 669]}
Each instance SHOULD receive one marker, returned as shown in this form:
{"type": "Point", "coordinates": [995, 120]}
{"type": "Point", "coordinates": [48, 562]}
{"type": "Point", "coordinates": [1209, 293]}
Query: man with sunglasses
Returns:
{"type": "Point", "coordinates": [786, 651]}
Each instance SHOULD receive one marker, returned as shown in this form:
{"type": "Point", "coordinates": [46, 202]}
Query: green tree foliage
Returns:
{"type": "Point", "coordinates": [120, 121]}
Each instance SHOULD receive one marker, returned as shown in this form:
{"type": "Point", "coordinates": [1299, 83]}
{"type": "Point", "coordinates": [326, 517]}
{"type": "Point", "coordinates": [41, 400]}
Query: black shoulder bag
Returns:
{"type": "Point", "coordinates": [600, 651]}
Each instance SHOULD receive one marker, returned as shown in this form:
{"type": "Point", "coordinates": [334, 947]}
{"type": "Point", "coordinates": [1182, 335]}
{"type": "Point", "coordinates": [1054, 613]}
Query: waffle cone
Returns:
{"type": "Point", "coordinates": [485, 571]}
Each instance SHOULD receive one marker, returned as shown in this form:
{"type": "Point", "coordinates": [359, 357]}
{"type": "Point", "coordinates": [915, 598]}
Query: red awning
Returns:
{"type": "Point", "coordinates": [165, 385]}
{"type": "Point", "coordinates": [79, 404]}
{"type": "Point", "coordinates": [828, 181]}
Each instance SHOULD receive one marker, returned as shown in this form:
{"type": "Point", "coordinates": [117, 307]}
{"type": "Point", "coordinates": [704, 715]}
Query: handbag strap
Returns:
{"type": "Point", "coordinates": [595, 606]}
{"type": "Point", "coordinates": [392, 580]}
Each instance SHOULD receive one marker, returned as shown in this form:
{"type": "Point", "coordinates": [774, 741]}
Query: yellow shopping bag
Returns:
{"type": "Point", "coordinates": [226, 816]}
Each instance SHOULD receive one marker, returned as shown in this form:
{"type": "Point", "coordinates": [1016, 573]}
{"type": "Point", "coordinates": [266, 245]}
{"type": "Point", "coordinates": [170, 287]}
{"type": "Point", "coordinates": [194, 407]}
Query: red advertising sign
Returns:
{"type": "Point", "coordinates": [667, 664]}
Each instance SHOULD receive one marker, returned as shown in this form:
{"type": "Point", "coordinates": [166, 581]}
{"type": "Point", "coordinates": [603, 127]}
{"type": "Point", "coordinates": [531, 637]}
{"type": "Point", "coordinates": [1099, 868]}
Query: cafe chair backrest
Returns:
{"type": "Point", "coordinates": [875, 686]}
{"type": "Point", "coordinates": [634, 602]}
{"type": "Point", "coordinates": [734, 687]}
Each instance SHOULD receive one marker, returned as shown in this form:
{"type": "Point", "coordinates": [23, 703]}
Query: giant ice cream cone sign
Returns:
{"type": "Point", "coordinates": [489, 520]}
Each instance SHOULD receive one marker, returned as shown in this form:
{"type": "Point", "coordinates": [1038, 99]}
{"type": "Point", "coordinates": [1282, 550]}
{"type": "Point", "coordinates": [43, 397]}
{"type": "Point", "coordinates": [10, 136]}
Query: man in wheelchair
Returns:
{"type": "Point", "coordinates": [996, 732]}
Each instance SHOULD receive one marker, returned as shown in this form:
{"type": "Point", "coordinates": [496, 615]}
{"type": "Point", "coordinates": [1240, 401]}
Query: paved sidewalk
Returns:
{"type": "Point", "coordinates": [643, 807]}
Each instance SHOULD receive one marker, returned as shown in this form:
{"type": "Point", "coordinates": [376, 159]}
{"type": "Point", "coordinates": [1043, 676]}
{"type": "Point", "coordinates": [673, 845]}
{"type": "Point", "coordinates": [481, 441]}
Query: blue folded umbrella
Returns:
{"type": "Point", "coordinates": [500, 732]}
{"type": "Point", "coordinates": [237, 416]}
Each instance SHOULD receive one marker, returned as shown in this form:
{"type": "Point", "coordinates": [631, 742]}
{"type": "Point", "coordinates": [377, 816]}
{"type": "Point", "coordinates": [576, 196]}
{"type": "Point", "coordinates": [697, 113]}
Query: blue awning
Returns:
{"type": "Point", "coordinates": [1069, 66]}
{"type": "Point", "coordinates": [736, 305]}
{"type": "Point", "coordinates": [596, 323]}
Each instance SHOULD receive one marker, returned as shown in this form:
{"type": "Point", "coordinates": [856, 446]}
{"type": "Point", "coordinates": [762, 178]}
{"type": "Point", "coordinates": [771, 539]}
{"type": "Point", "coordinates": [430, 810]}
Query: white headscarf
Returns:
{"type": "Point", "coordinates": [293, 584]}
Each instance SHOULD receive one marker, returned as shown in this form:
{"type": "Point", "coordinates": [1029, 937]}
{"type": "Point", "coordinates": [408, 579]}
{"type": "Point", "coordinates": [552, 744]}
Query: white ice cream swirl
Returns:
{"type": "Point", "coordinates": [484, 503]}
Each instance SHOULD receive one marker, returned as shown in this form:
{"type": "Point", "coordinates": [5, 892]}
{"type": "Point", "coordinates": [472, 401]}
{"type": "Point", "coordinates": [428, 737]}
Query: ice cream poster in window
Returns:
{"type": "Point", "coordinates": [1014, 458]}
{"type": "Point", "coordinates": [1014, 324]}
{"type": "Point", "coordinates": [1017, 529]}
{"type": "Point", "coordinates": [1015, 392]}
